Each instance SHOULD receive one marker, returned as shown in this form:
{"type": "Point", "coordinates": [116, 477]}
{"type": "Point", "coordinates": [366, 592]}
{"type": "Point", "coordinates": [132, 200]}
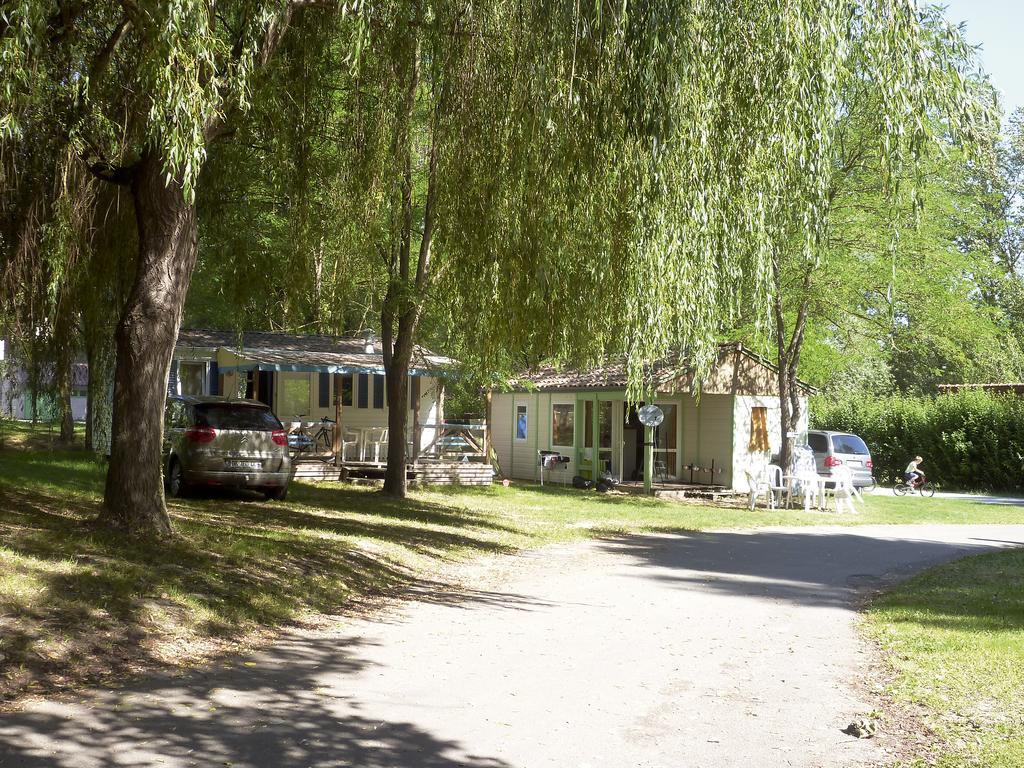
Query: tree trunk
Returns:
{"type": "Point", "coordinates": [67, 417]}
{"type": "Point", "coordinates": [98, 408]}
{"type": "Point", "coordinates": [134, 495]}
{"type": "Point", "coordinates": [397, 383]}
{"type": "Point", "coordinates": [788, 351]}
{"type": "Point", "coordinates": [64, 373]}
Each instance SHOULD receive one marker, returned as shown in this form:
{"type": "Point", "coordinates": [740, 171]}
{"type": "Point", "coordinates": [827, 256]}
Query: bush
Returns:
{"type": "Point", "coordinates": [970, 440]}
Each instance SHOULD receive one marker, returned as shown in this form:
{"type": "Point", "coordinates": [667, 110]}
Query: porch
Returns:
{"type": "Point", "coordinates": [456, 455]}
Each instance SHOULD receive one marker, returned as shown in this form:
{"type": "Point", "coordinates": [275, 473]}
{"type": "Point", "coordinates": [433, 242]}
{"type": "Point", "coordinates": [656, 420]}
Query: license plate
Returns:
{"type": "Point", "coordinates": [854, 463]}
{"type": "Point", "coordinates": [253, 465]}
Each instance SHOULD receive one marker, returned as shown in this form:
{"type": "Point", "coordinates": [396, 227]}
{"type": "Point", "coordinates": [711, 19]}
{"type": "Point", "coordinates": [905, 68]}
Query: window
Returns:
{"type": "Point", "coordinates": [414, 392]}
{"type": "Point", "coordinates": [849, 444]}
{"type": "Point", "coordinates": [665, 452]}
{"type": "Point", "coordinates": [521, 419]}
{"type": "Point", "coordinates": [235, 416]}
{"type": "Point", "coordinates": [759, 430]}
{"type": "Point", "coordinates": [324, 399]}
{"type": "Point", "coordinates": [190, 378]}
{"type": "Point", "coordinates": [817, 442]}
{"type": "Point", "coordinates": [378, 391]}
{"type": "Point", "coordinates": [294, 398]}
{"type": "Point", "coordinates": [563, 418]}
{"type": "Point", "coordinates": [344, 388]}
{"type": "Point", "coordinates": [364, 390]}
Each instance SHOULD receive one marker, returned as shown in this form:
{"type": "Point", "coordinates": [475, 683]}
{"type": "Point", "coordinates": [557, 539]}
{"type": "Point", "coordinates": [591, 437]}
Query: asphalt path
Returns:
{"type": "Point", "coordinates": [733, 648]}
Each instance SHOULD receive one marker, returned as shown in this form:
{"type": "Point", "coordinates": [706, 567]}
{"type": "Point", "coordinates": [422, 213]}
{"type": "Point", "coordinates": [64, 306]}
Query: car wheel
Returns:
{"type": "Point", "coordinates": [276, 494]}
{"type": "Point", "coordinates": [176, 486]}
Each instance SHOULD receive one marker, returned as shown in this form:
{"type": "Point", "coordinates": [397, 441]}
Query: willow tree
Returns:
{"type": "Point", "coordinates": [138, 91]}
{"type": "Point", "coordinates": [579, 180]}
{"type": "Point", "coordinates": [878, 168]}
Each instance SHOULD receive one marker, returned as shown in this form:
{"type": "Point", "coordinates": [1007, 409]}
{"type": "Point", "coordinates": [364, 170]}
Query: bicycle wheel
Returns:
{"type": "Point", "coordinates": [900, 489]}
{"type": "Point", "coordinates": [927, 490]}
{"type": "Point", "coordinates": [324, 441]}
{"type": "Point", "coordinates": [870, 487]}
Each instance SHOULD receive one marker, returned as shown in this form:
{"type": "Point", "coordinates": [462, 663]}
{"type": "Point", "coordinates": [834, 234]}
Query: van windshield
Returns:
{"type": "Point", "coordinates": [849, 444]}
{"type": "Point", "coordinates": [234, 416]}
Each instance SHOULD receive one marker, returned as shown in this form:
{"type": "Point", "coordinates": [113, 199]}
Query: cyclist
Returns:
{"type": "Point", "coordinates": [913, 476]}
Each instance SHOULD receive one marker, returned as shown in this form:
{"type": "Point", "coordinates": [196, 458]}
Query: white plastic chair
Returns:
{"type": "Point", "coordinates": [845, 493]}
{"type": "Point", "coordinates": [807, 486]}
{"type": "Point", "coordinates": [349, 438]}
{"type": "Point", "coordinates": [375, 439]}
{"type": "Point", "coordinates": [758, 484]}
{"type": "Point", "coordinates": [773, 476]}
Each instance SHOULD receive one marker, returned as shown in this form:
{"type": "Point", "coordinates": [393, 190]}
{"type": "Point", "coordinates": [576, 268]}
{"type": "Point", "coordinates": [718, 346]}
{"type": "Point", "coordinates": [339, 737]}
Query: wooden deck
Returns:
{"type": "Point", "coordinates": [322, 469]}
{"type": "Point", "coordinates": [677, 490]}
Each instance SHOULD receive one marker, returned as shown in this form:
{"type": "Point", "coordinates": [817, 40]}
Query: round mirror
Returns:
{"type": "Point", "coordinates": [651, 415]}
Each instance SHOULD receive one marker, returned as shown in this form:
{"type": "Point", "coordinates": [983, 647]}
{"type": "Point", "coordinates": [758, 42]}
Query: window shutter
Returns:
{"type": "Point", "coordinates": [414, 392]}
{"type": "Point", "coordinates": [214, 378]}
{"type": "Point", "coordinates": [172, 379]}
{"type": "Point", "coordinates": [325, 390]}
{"type": "Point", "coordinates": [364, 390]}
{"type": "Point", "coordinates": [378, 391]}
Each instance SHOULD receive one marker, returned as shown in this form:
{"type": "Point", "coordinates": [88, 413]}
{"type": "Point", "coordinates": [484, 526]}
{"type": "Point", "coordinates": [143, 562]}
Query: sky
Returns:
{"type": "Point", "coordinates": [998, 26]}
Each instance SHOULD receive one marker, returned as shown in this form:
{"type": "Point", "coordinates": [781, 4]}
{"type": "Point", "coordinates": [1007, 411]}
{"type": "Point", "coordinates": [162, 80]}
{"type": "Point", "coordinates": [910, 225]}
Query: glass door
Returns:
{"type": "Point", "coordinates": [665, 448]}
{"type": "Point", "coordinates": [594, 455]}
{"type": "Point", "coordinates": [585, 437]}
{"type": "Point", "coordinates": [604, 438]}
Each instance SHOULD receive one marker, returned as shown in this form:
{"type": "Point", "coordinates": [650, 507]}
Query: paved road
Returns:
{"type": "Point", "coordinates": [718, 649]}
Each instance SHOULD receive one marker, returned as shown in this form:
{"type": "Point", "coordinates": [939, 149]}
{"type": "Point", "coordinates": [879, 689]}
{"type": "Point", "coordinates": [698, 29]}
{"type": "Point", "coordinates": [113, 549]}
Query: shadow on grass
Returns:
{"type": "Point", "coordinates": [816, 568]}
{"type": "Point", "coordinates": [284, 710]}
{"type": "Point", "coordinates": [67, 469]}
{"type": "Point", "coordinates": [982, 594]}
{"type": "Point", "coordinates": [81, 604]}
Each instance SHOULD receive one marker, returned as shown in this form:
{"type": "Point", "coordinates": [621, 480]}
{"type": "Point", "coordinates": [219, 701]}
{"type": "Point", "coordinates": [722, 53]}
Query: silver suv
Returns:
{"type": "Point", "coordinates": [222, 441]}
{"type": "Point", "coordinates": [832, 449]}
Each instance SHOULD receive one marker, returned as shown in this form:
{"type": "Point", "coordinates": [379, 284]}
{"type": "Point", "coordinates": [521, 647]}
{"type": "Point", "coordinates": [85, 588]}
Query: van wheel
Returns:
{"type": "Point", "coordinates": [176, 485]}
{"type": "Point", "coordinates": [276, 494]}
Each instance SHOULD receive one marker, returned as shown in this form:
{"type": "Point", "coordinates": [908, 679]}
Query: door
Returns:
{"type": "Point", "coordinates": [594, 454]}
{"type": "Point", "coordinates": [585, 436]}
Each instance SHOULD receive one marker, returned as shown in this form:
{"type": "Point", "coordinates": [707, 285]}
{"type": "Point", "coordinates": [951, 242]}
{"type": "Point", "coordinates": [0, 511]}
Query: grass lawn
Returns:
{"type": "Point", "coordinates": [955, 636]}
{"type": "Point", "coordinates": [80, 605]}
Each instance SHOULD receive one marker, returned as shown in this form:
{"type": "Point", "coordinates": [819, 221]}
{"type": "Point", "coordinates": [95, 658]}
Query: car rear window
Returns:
{"type": "Point", "coordinates": [817, 443]}
{"type": "Point", "coordinates": [230, 416]}
{"type": "Point", "coordinates": [849, 444]}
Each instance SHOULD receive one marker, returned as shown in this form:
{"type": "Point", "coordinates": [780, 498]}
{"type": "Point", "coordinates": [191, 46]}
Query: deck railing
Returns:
{"type": "Point", "coordinates": [455, 441]}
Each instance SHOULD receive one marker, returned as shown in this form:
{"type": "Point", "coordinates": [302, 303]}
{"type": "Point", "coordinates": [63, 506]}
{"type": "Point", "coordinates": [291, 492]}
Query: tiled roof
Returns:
{"type": "Point", "coordinates": [610, 376]}
{"type": "Point", "coordinates": [275, 348]}
{"type": "Point", "coordinates": [670, 374]}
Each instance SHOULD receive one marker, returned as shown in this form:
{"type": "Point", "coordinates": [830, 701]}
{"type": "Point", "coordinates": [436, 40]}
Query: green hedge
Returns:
{"type": "Point", "coordinates": [969, 440]}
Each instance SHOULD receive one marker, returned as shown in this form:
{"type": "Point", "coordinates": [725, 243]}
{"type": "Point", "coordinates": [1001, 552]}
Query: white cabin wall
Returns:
{"type": "Point", "coordinates": [744, 459]}
{"type": "Point", "coordinates": [714, 427]}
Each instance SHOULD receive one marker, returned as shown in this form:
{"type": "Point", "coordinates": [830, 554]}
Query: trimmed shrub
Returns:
{"type": "Point", "coordinates": [969, 440]}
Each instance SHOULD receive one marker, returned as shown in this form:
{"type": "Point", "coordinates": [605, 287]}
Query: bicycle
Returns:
{"type": "Point", "coordinates": [921, 485]}
{"type": "Point", "coordinates": [321, 441]}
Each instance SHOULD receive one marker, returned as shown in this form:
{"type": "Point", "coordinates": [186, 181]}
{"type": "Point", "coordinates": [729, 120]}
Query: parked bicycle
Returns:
{"type": "Point", "coordinates": [321, 441]}
{"type": "Point", "coordinates": [921, 485]}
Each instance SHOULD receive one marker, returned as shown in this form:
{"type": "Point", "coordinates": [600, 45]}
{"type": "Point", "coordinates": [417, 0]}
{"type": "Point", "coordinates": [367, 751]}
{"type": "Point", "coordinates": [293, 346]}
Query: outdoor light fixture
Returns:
{"type": "Point", "coordinates": [368, 343]}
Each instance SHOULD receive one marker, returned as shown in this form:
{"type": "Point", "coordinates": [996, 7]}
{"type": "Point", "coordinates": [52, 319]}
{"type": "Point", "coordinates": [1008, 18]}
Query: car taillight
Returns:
{"type": "Point", "coordinates": [200, 434]}
{"type": "Point", "coordinates": [279, 437]}
{"type": "Point", "coordinates": [869, 464]}
{"type": "Point", "coordinates": [832, 461]}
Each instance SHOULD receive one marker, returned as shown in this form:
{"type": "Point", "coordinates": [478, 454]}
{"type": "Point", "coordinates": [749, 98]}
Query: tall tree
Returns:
{"type": "Point", "coordinates": [867, 178]}
{"type": "Point", "coordinates": [138, 91]}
